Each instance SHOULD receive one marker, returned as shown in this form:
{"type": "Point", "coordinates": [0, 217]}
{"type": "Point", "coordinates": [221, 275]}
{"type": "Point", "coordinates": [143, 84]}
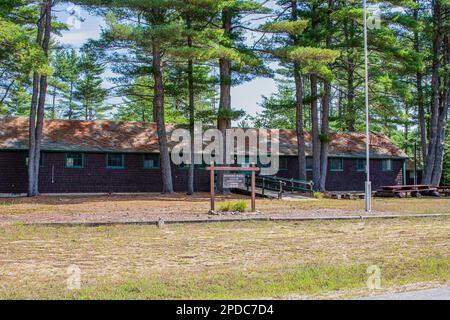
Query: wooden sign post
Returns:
{"type": "Point", "coordinates": [233, 180]}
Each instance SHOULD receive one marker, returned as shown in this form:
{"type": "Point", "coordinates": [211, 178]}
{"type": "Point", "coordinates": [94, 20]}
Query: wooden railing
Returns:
{"type": "Point", "coordinates": [283, 185]}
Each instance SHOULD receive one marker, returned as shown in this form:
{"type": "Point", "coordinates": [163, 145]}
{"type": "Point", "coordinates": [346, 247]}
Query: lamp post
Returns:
{"type": "Point", "coordinates": [368, 192]}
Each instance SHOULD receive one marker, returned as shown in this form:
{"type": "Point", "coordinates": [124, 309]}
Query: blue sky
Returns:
{"type": "Point", "coordinates": [246, 96]}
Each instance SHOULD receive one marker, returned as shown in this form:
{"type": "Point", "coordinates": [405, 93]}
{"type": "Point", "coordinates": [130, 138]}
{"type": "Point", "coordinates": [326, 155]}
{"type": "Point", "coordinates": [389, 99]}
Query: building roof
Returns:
{"type": "Point", "coordinates": [138, 137]}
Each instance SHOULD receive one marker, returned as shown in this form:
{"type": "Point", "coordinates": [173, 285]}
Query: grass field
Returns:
{"type": "Point", "coordinates": [233, 260]}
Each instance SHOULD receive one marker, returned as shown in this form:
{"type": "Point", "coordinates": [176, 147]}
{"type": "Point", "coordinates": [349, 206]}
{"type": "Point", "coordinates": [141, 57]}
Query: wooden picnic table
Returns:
{"type": "Point", "coordinates": [402, 191]}
{"type": "Point", "coordinates": [444, 190]}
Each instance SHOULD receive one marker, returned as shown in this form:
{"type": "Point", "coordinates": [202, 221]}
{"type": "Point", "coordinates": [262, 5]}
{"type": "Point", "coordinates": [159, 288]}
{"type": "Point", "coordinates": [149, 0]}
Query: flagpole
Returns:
{"type": "Point", "coordinates": [368, 189]}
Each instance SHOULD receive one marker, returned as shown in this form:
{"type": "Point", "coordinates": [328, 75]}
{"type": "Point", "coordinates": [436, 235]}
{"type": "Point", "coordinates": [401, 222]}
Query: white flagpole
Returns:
{"type": "Point", "coordinates": [368, 193]}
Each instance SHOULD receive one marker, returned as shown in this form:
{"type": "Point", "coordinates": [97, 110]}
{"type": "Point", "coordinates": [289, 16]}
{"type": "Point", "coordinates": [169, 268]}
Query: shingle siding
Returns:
{"type": "Point", "coordinates": [350, 179]}
{"type": "Point", "coordinates": [95, 177]}
{"type": "Point", "coordinates": [54, 177]}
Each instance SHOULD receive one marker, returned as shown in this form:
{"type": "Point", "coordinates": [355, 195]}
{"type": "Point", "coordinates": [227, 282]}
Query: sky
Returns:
{"type": "Point", "coordinates": [84, 26]}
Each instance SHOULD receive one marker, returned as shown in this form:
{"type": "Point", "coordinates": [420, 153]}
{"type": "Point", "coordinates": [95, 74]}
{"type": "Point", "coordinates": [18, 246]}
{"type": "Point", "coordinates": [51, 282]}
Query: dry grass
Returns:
{"type": "Point", "coordinates": [145, 206]}
{"type": "Point", "coordinates": [236, 260]}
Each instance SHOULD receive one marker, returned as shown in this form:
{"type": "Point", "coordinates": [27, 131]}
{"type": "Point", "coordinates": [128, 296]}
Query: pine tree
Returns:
{"type": "Point", "coordinates": [300, 47]}
{"type": "Point", "coordinates": [88, 88]}
{"type": "Point", "coordinates": [19, 54]}
{"type": "Point", "coordinates": [152, 26]}
{"type": "Point", "coordinates": [69, 74]}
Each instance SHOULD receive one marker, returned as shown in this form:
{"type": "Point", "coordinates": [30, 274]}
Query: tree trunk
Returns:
{"type": "Point", "coordinates": [351, 110]}
{"type": "Point", "coordinates": [158, 106]}
{"type": "Point", "coordinates": [439, 161]}
{"type": "Point", "coordinates": [443, 117]}
{"type": "Point", "coordinates": [299, 123]}
{"type": "Point", "coordinates": [434, 110]}
{"type": "Point", "coordinates": [315, 132]}
{"type": "Point", "coordinates": [71, 100]}
{"type": "Point", "coordinates": [350, 97]}
{"type": "Point", "coordinates": [54, 104]}
{"type": "Point", "coordinates": [420, 104]}
{"type": "Point", "coordinates": [190, 71]}
{"type": "Point", "coordinates": [42, 96]}
{"type": "Point", "coordinates": [326, 101]}
{"type": "Point", "coordinates": [224, 121]}
{"type": "Point", "coordinates": [299, 107]}
{"type": "Point", "coordinates": [33, 112]}
{"type": "Point", "coordinates": [32, 136]}
{"type": "Point", "coordinates": [5, 95]}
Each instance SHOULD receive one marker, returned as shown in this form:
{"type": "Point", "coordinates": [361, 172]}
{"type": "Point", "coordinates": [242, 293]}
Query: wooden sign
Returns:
{"type": "Point", "coordinates": [231, 181]}
{"type": "Point", "coordinates": [253, 169]}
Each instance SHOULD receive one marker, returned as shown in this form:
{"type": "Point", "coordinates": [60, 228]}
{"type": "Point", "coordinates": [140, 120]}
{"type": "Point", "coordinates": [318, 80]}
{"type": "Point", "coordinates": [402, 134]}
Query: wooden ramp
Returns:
{"type": "Point", "coordinates": [280, 188]}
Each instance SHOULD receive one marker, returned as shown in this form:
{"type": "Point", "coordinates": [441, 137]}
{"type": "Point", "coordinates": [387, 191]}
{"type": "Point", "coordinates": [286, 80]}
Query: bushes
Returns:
{"type": "Point", "coordinates": [318, 195]}
{"type": "Point", "coordinates": [240, 206]}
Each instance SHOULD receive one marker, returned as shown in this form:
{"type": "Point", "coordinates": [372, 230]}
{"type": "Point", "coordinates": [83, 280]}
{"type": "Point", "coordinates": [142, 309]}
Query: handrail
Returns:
{"type": "Point", "coordinates": [283, 185]}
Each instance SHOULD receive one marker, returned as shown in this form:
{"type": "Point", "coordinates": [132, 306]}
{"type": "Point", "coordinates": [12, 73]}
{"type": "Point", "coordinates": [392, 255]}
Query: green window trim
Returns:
{"type": "Point", "coordinates": [385, 167]}
{"type": "Point", "coordinates": [309, 164]}
{"type": "Point", "coordinates": [73, 166]}
{"type": "Point", "coordinates": [157, 158]}
{"type": "Point", "coordinates": [115, 167]}
{"type": "Point", "coordinates": [341, 169]}
{"type": "Point", "coordinates": [358, 165]}
{"type": "Point", "coordinates": [41, 160]}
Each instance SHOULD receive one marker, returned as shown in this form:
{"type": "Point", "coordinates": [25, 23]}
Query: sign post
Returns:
{"type": "Point", "coordinates": [232, 181]}
{"type": "Point", "coordinates": [212, 187]}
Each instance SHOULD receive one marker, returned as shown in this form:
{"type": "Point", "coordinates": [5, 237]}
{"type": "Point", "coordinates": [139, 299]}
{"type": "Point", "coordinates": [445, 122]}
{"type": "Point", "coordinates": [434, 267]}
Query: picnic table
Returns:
{"type": "Point", "coordinates": [445, 190]}
{"type": "Point", "coordinates": [402, 191]}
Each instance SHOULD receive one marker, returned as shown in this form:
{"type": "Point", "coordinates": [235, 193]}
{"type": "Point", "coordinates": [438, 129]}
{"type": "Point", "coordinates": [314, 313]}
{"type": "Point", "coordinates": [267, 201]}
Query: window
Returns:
{"type": "Point", "coordinates": [283, 163]}
{"type": "Point", "coordinates": [361, 165]}
{"type": "Point", "coordinates": [41, 160]}
{"type": "Point", "coordinates": [309, 164]}
{"type": "Point", "coordinates": [74, 160]}
{"type": "Point", "coordinates": [336, 164]}
{"type": "Point", "coordinates": [115, 161]}
{"type": "Point", "coordinates": [151, 161]}
{"type": "Point", "coordinates": [386, 165]}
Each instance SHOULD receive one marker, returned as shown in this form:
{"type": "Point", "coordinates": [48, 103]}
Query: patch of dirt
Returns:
{"type": "Point", "coordinates": [149, 208]}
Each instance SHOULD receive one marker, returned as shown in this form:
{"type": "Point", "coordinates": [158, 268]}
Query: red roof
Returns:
{"type": "Point", "coordinates": [138, 137]}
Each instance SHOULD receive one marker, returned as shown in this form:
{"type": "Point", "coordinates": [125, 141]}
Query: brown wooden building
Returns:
{"type": "Point", "coordinates": [106, 156]}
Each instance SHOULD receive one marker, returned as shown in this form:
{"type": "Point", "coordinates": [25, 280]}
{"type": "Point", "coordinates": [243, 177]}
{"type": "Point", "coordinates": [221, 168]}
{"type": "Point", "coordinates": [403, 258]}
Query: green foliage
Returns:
{"type": "Point", "coordinates": [277, 109]}
{"type": "Point", "coordinates": [240, 206]}
{"type": "Point", "coordinates": [308, 55]}
{"type": "Point", "coordinates": [230, 114]}
{"type": "Point", "coordinates": [228, 206]}
{"type": "Point", "coordinates": [88, 87]}
{"type": "Point", "coordinates": [289, 27]}
{"type": "Point", "coordinates": [18, 49]}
